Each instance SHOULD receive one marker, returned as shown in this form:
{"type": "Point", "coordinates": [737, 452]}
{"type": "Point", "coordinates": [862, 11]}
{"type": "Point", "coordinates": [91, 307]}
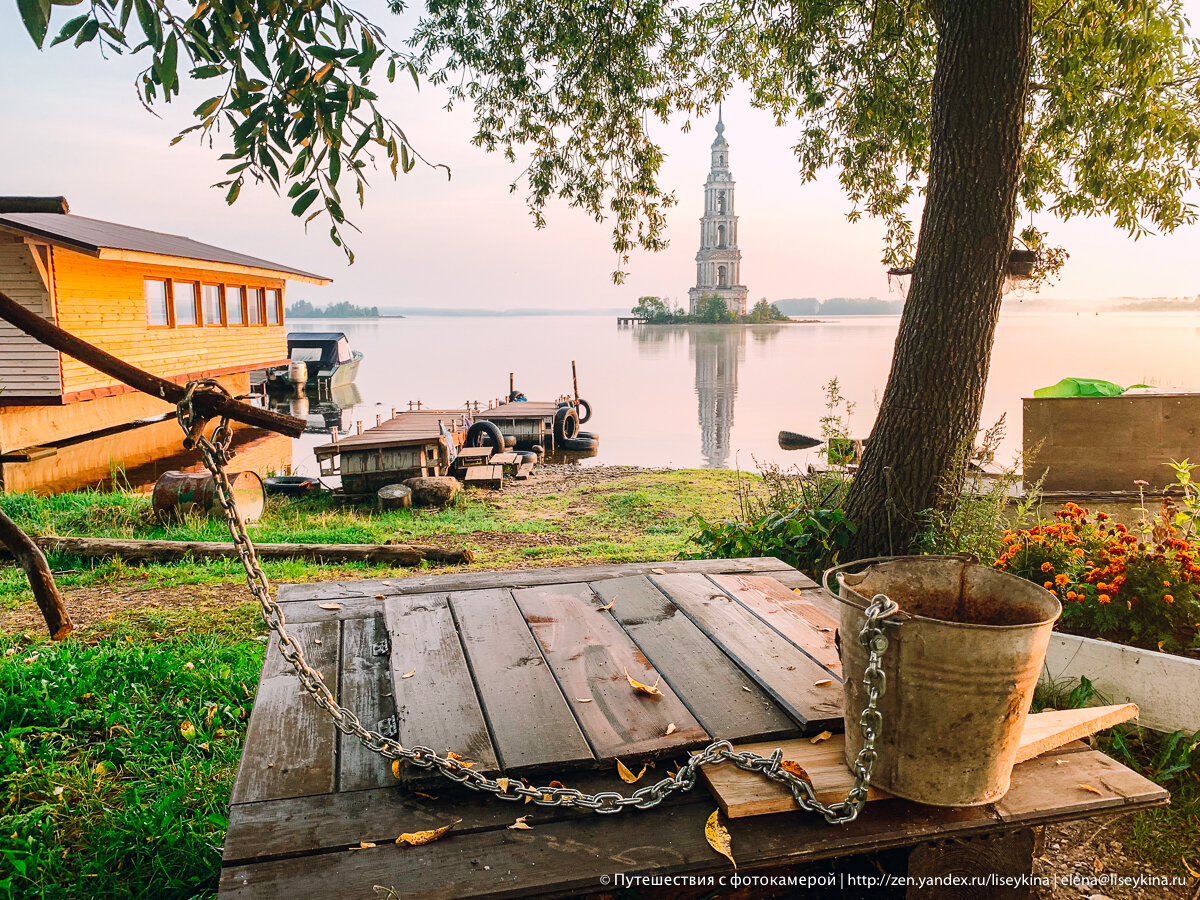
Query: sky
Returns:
{"type": "Point", "coordinates": [72, 125]}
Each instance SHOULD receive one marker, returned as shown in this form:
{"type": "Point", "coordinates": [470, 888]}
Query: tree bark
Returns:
{"type": "Point", "coordinates": [45, 591]}
{"type": "Point", "coordinates": [931, 406]}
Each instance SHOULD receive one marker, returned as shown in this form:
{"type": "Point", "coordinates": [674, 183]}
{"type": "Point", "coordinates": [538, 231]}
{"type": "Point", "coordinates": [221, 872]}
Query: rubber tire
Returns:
{"type": "Point", "coordinates": [583, 442]}
{"type": "Point", "coordinates": [580, 407]}
{"type": "Point", "coordinates": [527, 456]}
{"type": "Point", "coordinates": [479, 430]}
{"type": "Point", "coordinates": [566, 424]}
{"type": "Point", "coordinates": [290, 485]}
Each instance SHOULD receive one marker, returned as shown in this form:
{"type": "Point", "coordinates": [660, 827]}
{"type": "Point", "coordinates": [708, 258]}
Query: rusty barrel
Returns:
{"type": "Point", "coordinates": [180, 494]}
{"type": "Point", "coordinates": [964, 655]}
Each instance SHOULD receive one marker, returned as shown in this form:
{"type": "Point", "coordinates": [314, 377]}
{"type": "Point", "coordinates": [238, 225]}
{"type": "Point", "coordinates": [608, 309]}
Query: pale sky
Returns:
{"type": "Point", "coordinates": [71, 125]}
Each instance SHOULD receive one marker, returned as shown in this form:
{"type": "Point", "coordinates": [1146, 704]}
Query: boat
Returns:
{"type": "Point", "coordinates": [319, 361]}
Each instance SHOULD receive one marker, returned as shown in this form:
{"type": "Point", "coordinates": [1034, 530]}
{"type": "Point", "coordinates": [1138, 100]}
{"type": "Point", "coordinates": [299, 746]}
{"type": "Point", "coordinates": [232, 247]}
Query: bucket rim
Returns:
{"type": "Point", "coordinates": [902, 616]}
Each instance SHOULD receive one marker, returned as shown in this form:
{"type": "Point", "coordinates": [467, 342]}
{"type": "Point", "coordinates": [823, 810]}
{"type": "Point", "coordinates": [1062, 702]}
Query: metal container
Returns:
{"type": "Point", "coordinates": [964, 655]}
{"type": "Point", "coordinates": [298, 374]}
{"type": "Point", "coordinates": [180, 494]}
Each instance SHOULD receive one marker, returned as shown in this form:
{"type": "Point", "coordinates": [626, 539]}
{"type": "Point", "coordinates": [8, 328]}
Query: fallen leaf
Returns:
{"type": "Point", "coordinates": [796, 769]}
{"type": "Point", "coordinates": [1188, 866]}
{"type": "Point", "coordinates": [608, 605]}
{"type": "Point", "coordinates": [423, 794]}
{"type": "Point", "coordinates": [659, 571]}
{"type": "Point", "coordinates": [417, 838]}
{"type": "Point", "coordinates": [626, 775]}
{"type": "Point", "coordinates": [461, 760]}
{"type": "Point", "coordinates": [330, 605]}
{"type": "Point", "coordinates": [520, 825]}
{"type": "Point", "coordinates": [718, 836]}
{"type": "Point", "coordinates": [379, 596]}
{"type": "Point", "coordinates": [188, 730]}
{"type": "Point", "coordinates": [396, 767]}
{"type": "Point", "coordinates": [823, 736]}
{"type": "Point", "coordinates": [1060, 762]}
{"type": "Point", "coordinates": [363, 845]}
{"type": "Point", "coordinates": [671, 728]}
{"type": "Point", "coordinates": [746, 689]}
{"type": "Point", "coordinates": [651, 689]}
{"type": "Point", "coordinates": [583, 699]}
{"type": "Point", "coordinates": [824, 682]}
{"type": "Point", "coordinates": [503, 782]}
{"type": "Point", "coordinates": [409, 674]}
{"type": "Point", "coordinates": [1088, 787]}
{"type": "Point", "coordinates": [555, 784]}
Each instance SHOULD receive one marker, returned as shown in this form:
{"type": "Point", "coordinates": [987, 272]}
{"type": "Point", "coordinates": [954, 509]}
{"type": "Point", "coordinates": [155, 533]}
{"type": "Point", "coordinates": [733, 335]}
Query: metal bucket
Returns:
{"type": "Point", "coordinates": [179, 494]}
{"type": "Point", "coordinates": [964, 655]}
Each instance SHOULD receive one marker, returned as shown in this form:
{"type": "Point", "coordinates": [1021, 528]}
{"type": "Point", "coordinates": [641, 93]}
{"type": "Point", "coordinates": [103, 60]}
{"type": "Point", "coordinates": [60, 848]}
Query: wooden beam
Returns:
{"type": "Point", "coordinates": [183, 262]}
{"type": "Point", "coordinates": [209, 404]}
{"type": "Point", "coordinates": [45, 591]}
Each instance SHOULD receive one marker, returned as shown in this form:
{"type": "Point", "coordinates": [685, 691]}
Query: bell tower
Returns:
{"type": "Point", "coordinates": [719, 262]}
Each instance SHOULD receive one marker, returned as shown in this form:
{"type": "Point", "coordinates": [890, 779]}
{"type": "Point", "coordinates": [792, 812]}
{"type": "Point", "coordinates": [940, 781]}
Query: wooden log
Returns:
{"type": "Point", "coordinates": [45, 591]}
{"type": "Point", "coordinates": [166, 551]}
{"type": "Point", "coordinates": [208, 403]}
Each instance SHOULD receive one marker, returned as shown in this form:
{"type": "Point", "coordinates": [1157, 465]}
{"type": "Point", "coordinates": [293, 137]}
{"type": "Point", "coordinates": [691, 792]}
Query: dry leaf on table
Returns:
{"type": "Point", "coordinates": [608, 605]}
{"type": "Point", "coordinates": [659, 571]}
{"type": "Point", "coordinates": [796, 769]}
{"type": "Point", "coordinates": [671, 728]}
{"type": "Point", "coordinates": [409, 674]}
{"type": "Point", "coordinates": [824, 682]}
{"type": "Point", "coordinates": [626, 775]}
{"type": "Point", "coordinates": [330, 605]}
{"type": "Point", "coordinates": [718, 836]}
{"type": "Point", "coordinates": [823, 736]}
{"type": "Point", "coordinates": [1088, 787]}
{"type": "Point", "coordinates": [363, 845]}
{"type": "Point", "coordinates": [651, 689]}
{"type": "Point", "coordinates": [461, 760]}
{"type": "Point", "coordinates": [396, 764]}
{"type": "Point", "coordinates": [583, 699]}
{"type": "Point", "coordinates": [417, 838]}
{"type": "Point", "coordinates": [520, 825]}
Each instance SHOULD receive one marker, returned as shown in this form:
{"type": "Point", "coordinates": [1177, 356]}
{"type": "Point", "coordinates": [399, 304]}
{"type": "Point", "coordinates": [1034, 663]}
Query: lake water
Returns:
{"type": "Point", "coordinates": [716, 396]}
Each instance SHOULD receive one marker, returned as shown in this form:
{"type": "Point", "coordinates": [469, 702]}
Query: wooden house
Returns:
{"type": "Point", "coordinates": [173, 306]}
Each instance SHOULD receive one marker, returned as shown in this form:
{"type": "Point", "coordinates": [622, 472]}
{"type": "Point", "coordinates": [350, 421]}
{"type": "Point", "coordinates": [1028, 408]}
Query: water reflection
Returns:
{"type": "Point", "coordinates": [716, 352]}
{"type": "Point", "coordinates": [321, 412]}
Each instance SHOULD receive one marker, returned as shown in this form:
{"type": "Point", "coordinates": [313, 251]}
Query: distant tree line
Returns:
{"type": "Point", "coordinates": [841, 306]}
{"type": "Point", "coordinates": [302, 309]}
{"type": "Point", "coordinates": [711, 309]}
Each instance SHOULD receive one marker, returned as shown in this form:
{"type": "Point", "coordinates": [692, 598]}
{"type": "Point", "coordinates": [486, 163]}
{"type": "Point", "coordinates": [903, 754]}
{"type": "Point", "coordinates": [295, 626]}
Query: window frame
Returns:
{"type": "Point", "coordinates": [260, 305]}
{"type": "Point", "coordinates": [277, 304]}
{"type": "Point", "coordinates": [168, 302]}
{"type": "Point", "coordinates": [241, 305]}
{"type": "Point", "coordinates": [220, 289]}
{"type": "Point", "coordinates": [197, 306]}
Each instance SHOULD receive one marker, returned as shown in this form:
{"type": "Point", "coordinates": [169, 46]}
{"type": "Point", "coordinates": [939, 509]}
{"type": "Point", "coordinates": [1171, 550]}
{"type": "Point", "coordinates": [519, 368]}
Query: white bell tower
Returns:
{"type": "Point", "coordinates": [719, 262]}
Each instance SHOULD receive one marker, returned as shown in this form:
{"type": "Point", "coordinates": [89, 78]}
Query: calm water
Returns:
{"type": "Point", "coordinates": [713, 396]}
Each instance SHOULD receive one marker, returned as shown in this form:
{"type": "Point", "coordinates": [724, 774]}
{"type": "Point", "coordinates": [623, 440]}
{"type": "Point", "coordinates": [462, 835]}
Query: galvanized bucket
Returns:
{"type": "Point", "coordinates": [964, 654]}
{"type": "Point", "coordinates": [179, 494]}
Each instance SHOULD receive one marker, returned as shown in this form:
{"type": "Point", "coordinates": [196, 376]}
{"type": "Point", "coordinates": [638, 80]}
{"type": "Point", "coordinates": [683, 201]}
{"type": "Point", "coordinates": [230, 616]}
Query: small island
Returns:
{"type": "Point", "coordinates": [710, 310]}
{"type": "Point", "coordinates": [303, 309]}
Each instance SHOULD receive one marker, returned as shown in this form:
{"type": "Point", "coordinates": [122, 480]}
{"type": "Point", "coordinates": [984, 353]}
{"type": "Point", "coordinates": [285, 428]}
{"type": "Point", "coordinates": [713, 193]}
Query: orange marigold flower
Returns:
{"type": "Point", "coordinates": [1061, 579]}
{"type": "Point", "coordinates": [1078, 551]}
{"type": "Point", "coordinates": [1167, 598]}
{"type": "Point", "coordinates": [1102, 516]}
{"type": "Point", "coordinates": [1071, 595]}
{"type": "Point", "coordinates": [1047, 567]}
{"type": "Point", "coordinates": [1166, 584]}
{"type": "Point", "coordinates": [1104, 598]}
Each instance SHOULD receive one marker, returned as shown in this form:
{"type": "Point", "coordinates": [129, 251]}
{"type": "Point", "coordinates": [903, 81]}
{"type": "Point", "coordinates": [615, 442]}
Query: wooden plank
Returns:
{"type": "Point", "coordinates": [366, 690]}
{"type": "Point", "coordinates": [589, 654]}
{"type": "Point", "coordinates": [791, 614]}
{"type": "Point", "coordinates": [808, 691]}
{"type": "Point", "coordinates": [531, 722]}
{"type": "Point", "coordinates": [436, 706]}
{"type": "Point", "coordinates": [741, 793]}
{"type": "Point", "coordinates": [489, 477]}
{"type": "Point", "coordinates": [469, 581]}
{"type": "Point", "coordinates": [727, 703]}
{"type": "Point", "coordinates": [290, 748]}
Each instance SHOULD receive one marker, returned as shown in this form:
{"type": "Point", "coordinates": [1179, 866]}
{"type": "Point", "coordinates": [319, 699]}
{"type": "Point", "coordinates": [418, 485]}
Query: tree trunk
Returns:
{"type": "Point", "coordinates": [41, 580]}
{"type": "Point", "coordinates": [934, 396]}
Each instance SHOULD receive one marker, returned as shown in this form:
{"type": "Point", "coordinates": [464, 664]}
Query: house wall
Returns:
{"type": "Point", "coordinates": [1107, 443]}
{"type": "Point", "coordinates": [103, 302]}
{"type": "Point", "coordinates": [27, 368]}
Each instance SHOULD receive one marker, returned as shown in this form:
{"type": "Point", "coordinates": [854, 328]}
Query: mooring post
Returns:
{"type": "Point", "coordinates": [378, 420]}
{"type": "Point", "coordinates": [358, 426]}
{"type": "Point", "coordinates": [575, 382]}
{"type": "Point", "coordinates": [511, 386]}
{"type": "Point", "coordinates": [333, 433]}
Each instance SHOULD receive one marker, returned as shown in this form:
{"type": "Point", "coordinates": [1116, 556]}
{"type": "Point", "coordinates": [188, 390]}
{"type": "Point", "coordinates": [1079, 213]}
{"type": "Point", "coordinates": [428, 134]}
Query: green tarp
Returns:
{"type": "Point", "coordinates": [1084, 387]}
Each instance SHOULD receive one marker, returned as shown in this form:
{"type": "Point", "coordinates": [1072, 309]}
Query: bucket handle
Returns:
{"type": "Point", "coordinates": [968, 558]}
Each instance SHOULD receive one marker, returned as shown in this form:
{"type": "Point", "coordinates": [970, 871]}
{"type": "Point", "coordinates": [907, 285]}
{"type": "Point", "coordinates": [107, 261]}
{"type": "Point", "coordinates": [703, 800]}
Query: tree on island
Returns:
{"type": "Point", "coordinates": [656, 310]}
{"type": "Point", "coordinates": [984, 107]}
{"type": "Point", "coordinates": [764, 311]}
{"type": "Point", "coordinates": [303, 309]}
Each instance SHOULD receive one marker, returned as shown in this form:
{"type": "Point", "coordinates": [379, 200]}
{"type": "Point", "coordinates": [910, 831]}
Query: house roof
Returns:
{"type": "Point", "coordinates": [107, 240]}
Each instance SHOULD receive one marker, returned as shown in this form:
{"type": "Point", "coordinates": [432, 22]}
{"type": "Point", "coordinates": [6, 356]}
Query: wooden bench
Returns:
{"type": "Point", "coordinates": [501, 665]}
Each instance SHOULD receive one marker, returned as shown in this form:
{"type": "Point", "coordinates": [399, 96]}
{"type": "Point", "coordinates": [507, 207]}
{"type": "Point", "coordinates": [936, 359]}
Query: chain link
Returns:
{"type": "Point", "coordinates": [216, 453]}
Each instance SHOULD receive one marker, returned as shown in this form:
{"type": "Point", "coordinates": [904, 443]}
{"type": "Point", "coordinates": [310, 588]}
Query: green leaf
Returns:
{"type": "Point", "coordinates": [167, 65]}
{"type": "Point", "coordinates": [89, 31]}
{"type": "Point", "coordinates": [207, 108]}
{"type": "Point", "coordinates": [68, 30]}
{"type": "Point", "coordinates": [304, 202]}
{"type": "Point", "coordinates": [35, 14]}
{"type": "Point", "coordinates": [234, 190]}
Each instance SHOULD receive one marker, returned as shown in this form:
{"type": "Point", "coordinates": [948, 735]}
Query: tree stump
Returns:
{"type": "Point", "coordinates": [972, 860]}
{"type": "Point", "coordinates": [394, 496]}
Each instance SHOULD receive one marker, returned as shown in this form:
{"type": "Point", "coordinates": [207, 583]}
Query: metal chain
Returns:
{"type": "Point", "coordinates": [216, 453]}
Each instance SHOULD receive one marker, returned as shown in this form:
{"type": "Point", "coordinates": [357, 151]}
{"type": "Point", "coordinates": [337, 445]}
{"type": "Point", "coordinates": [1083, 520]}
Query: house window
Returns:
{"type": "Point", "coordinates": [157, 315]}
{"type": "Point", "coordinates": [213, 314]}
{"type": "Point", "coordinates": [235, 307]}
{"type": "Point", "coordinates": [274, 313]}
{"type": "Point", "coordinates": [254, 304]}
{"type": "Point", "coordinates": [184, 295]}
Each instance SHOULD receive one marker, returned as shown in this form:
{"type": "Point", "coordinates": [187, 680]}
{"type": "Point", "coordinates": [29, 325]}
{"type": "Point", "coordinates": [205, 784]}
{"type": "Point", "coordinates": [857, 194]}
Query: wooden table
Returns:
{"type": "Point", "coordinates": [524, 672]}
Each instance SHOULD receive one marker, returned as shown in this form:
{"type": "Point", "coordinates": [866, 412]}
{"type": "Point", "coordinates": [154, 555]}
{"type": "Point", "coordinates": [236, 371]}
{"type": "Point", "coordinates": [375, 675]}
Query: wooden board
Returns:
{"type": "Point", "coordinates": [788, 612]}
{"type": "Point", "coordinates": [741, 793]}
{"type": "Point", "coordinates": [590, 654]}
{"type": "Point", "coordinates": [436, 705]}
{"type": "Point", "coordinates": [365, 690]}
{"type": "Point", "coordinates": [520, 698]}
{"type": "Point", "coordinates": [290, 746]}
{"type": "Point", "coordinates": [811, 693]}
{"type": "Point", "coordinates": [487, 476]}
{"type": "Point", "coordinates": [728, 703]}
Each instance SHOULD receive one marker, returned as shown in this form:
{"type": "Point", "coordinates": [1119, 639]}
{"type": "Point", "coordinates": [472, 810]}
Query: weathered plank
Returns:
{"type": "Point", "coordinates": [436, 705]}
{"type": "Point", "coordinates": [366, 690]}
{"type": "Point", "coordinates": [789, 613]}
{"type": "Point", "coordinates": [727, 703]}
{"type": "Point", "coordinates": [809, 692]}
{"type": "Point", "coordinates": [470, 581]}
{"type": "Point", "coordinates": [290, 748]}
{"type": "Point", "coordinates": [531, 722]}
{"type": "Point", "coordinates": [590, 655]}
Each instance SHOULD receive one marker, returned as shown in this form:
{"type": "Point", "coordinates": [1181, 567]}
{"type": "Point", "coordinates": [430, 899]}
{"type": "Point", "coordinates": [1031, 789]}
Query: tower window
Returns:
{"type": "Point", "coordinates": [721, 236]}
{"type": "Point", "coordinates": [720, 201]}
{"type": "Point", "coordinates": [721, 276]}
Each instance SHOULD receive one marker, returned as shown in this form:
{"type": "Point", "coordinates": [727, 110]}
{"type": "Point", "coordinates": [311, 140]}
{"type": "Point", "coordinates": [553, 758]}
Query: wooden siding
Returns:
{"type": "Point", "coordinates": [103, 303]}
{"type": "Point", "coordinates": [27, 367]}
